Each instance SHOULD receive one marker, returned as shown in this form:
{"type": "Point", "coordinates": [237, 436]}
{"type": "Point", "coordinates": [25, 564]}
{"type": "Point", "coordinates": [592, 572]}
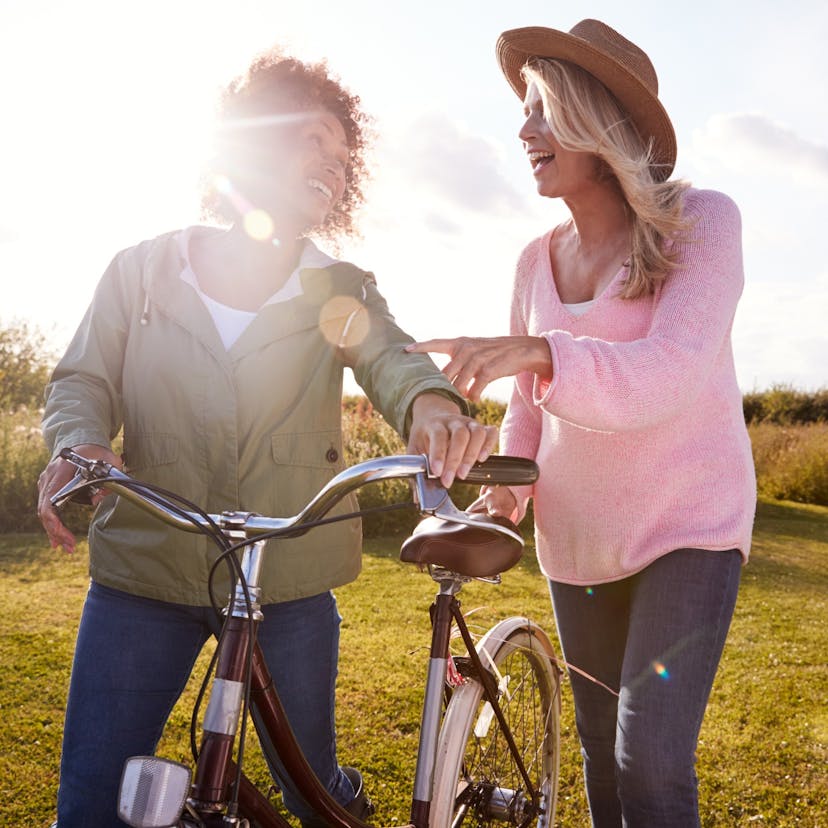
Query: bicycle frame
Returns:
{"type": "Point", "coordinates": [240, 656]}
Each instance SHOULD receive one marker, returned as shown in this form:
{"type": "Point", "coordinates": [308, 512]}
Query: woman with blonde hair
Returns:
{"type": "Point", "coordinates": [626, 396]}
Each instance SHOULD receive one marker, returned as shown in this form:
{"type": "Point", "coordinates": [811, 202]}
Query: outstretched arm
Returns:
{"type": "Point", "coordinates": [477, 361]}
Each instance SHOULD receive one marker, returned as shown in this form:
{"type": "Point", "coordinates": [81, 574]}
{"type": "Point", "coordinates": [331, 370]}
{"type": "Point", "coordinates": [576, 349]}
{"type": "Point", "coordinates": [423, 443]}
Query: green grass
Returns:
{"type": "Point", "coordinates": [763, 758]}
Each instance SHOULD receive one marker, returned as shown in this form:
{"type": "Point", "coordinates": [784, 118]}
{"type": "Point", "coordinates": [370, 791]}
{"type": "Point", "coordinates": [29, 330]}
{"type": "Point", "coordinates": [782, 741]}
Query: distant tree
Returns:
{"type": "Point", "coordinates": [26, 362]}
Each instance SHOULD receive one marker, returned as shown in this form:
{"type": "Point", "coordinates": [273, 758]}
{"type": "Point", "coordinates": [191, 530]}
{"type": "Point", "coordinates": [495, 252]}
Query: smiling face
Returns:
{"type": "Point", "coordinates": [559, 172]}
{"type": "Point", "coordinates": [316, 172]}
{"type": "Point", "coordinates": [282, 124]}
{"type": "Point", "coordinates": [294, 169]}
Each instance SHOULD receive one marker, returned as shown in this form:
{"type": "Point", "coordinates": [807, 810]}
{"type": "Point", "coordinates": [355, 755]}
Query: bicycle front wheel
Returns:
{"type": "Point", "coordinates": [477, 779]}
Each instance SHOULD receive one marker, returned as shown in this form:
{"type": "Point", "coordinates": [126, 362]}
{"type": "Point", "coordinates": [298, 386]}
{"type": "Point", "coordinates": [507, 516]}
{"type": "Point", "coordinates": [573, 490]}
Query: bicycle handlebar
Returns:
{"type": "Point", "coordinates": [503, 470]}
{"type": "Point", "coordinates": [432, 497]}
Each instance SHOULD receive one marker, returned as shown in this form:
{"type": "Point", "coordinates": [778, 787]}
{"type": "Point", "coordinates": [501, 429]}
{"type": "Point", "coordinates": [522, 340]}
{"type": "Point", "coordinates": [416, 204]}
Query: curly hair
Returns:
{"type": "Point", "coordinates": [585, 116]}
{"type": "Point", "coordinates": [275, 84]}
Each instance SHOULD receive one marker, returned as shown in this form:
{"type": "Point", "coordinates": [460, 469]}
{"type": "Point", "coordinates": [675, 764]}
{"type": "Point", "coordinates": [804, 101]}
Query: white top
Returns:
{"type": "Point", "coordinates": [579, 308]}
{"type": "Point", "coordinates": [232, 322]}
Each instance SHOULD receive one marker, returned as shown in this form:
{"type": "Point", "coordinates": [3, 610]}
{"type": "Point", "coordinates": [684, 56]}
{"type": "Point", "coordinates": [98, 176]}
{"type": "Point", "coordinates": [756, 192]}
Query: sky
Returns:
{"type": "Point", "coordinates": [106, 111]}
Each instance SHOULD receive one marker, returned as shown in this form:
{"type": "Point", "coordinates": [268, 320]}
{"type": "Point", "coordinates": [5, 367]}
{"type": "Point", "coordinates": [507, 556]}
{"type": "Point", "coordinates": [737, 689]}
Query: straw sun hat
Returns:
{"type": "Point", "coordinates": [619, 64]}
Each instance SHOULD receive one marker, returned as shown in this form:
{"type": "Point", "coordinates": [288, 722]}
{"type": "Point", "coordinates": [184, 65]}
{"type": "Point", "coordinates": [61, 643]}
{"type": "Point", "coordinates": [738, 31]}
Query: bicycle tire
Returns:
{"type": "Point", "coordinates": [476, 780]}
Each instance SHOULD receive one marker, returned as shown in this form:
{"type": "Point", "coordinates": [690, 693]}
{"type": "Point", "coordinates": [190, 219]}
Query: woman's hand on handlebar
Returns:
{"type": "Point", "coordinates": [496, 500]}
{"type": "Point", "coordinates": [53, 478]}
{"type": "Point", "coordinates": [451, 441]}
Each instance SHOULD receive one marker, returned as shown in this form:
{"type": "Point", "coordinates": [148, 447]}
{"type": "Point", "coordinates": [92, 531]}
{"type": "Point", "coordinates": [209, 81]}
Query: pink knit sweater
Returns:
{"type": "Point", "coordinates": [640, 436]}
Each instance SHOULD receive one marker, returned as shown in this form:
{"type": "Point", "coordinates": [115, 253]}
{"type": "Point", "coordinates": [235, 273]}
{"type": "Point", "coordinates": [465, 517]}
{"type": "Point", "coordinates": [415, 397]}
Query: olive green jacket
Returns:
{"type": "Point", "coordinates": [255, 428]}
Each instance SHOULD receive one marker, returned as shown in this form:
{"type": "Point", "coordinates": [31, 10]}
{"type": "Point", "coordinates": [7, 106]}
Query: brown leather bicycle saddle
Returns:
{"type": "Point", "coordinates": [479, 551]}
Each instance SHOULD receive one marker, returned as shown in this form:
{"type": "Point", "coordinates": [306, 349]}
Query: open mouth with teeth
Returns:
{"type": "Point", "coordinates": [319, 186]}
{"type": "Point", "coordinates": [539, 160]}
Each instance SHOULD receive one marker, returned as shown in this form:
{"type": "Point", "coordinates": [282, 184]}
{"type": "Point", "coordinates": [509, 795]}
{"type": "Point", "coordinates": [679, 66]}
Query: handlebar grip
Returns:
{"type": "Point", "coordinates": [501, 469]}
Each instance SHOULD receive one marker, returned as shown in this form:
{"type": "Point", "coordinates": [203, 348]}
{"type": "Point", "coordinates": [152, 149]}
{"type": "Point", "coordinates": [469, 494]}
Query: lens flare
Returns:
{"type": "Point", "coordinates": [590, 591]}
{"type": "Point", "coordinates": [224, 187]}
{"type": "Point", "coordinates": [344, 321]}
{"type": "Point", "coordinates": [660, 670]}
{"type": "Point", "coordinates": [258, 225]}
{"type": "Point", "coordinates": [222, 184]}
{"type": "Point", "coordinates": [286, 119]}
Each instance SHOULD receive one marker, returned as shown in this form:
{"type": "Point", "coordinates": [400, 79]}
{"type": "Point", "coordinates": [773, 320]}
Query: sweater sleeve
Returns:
{"type": "Point", "coordinates": [83, 398]}
{"type": "Point", "coordinates": [624, 386]}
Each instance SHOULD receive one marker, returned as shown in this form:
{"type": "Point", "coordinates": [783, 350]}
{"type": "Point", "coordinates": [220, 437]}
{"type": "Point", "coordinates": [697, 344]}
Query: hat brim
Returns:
{"type": "Point", "coordinates": [516, 46]}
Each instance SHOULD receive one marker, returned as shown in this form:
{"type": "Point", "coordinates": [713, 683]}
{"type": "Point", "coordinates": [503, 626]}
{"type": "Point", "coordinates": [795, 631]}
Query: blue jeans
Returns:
{"type": "Point", "coordinates": [132, 660]}
{"type": "Point", "coordinates": [656, 637]}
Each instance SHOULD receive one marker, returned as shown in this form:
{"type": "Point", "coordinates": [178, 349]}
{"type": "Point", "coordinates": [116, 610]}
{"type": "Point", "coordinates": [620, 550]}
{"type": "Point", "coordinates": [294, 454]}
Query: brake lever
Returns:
{"type": "Point", "coordinates": [93, 468]}
{"type": "Point", "coordinates": [81, 488]}
{"type": "Point", "coordinates": [433, 499]}
{"type": "Point", "coordinates": [430, 493]}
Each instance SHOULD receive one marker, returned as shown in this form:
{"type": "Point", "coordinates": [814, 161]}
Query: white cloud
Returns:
{"type": "Point", "coordinates": [8, 234]}
{"type": "Point", "coordinates": [779, 334]}
{"type": "Point", "coordinates": [439, 223]}
{"type": "Point", "coordinates": [439, 156]}
{"type": "Point", "coordinates": [754, 144]}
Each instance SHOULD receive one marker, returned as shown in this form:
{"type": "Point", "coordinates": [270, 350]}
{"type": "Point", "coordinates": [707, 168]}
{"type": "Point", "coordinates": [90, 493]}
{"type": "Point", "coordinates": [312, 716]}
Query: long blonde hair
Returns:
{"type": "Point", "coordinates": [585, 116]}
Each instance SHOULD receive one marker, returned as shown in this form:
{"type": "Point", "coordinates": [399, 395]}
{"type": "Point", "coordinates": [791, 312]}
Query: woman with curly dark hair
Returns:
{"type": "Point", "coordinates": [220, 353]}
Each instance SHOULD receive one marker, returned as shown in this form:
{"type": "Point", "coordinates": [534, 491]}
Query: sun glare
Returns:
{"type": "Point", "coordinates": [258, 224]}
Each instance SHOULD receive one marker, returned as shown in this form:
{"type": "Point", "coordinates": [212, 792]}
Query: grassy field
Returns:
{"type": "Point", "coordinates": [763, 758]}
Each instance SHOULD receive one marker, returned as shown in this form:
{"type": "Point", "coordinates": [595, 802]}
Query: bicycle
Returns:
{"type": "Point", "coordinates": [488, 748]}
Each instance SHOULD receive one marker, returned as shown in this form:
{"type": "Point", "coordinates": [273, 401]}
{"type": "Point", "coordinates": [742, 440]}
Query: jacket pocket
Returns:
{"type": "Point", "coordinates": [145, 450]}
{"type": "Point", "coordinates": [302, 464]}
{"type": "Point", "coordinates": [310, 450]}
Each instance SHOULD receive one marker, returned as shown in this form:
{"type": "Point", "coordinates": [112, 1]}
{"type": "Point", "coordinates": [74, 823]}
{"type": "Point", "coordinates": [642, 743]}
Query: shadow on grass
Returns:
{"type": "Point", "coordinates": [26, 555]}
{"type": "Point", "coordinates": [800, 519]}
{"type": "Point", "coordinates": [785, 538]}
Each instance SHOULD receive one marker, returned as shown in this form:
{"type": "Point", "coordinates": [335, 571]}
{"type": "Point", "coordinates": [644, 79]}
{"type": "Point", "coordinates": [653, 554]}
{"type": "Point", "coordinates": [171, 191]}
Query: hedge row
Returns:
{"type": "Point", "coordinates": [785, 405]}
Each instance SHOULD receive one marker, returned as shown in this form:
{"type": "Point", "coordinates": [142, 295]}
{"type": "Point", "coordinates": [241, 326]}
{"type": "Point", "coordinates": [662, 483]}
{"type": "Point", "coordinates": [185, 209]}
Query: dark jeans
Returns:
{"type": "Point", "coordinates": [132, 660]}
{"type": "Point", "coordinates": [656, 637]}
